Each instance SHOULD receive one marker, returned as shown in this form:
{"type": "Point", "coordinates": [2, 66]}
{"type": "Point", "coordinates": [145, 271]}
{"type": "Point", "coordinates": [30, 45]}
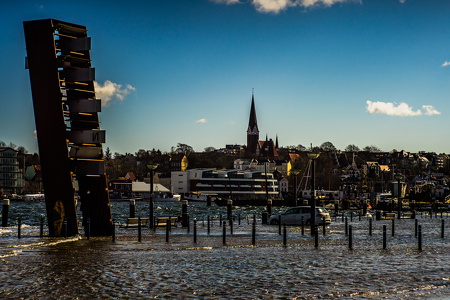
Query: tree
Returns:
{"type": "Point", "coordinates": [210, 149]}
{"type": "Point", "coordinates": [184, 149]}
{"type": "Point", "coordinates": [372, 148]}
{"type": "Point", "coordinates": [352, 148]}
{"type": "Point", "coordinates": [327, 146]}
{"type": "Point", "coordinates": [301, 148]}
{"type": "Point", "coordinates": [142, 154]}
{"type": "Point", "coordinates": [107, 154]}
{"type": "Point", "coordinates": [22, 150]}
{"type": "Point", "coordinates": [2, 144]}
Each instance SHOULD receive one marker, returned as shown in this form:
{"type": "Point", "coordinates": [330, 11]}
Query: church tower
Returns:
{"type": "Point", "coordinates": [252, 131]}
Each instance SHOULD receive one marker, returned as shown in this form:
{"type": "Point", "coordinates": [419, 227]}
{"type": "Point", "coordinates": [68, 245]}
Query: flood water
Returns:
{"type": "Point", "coordinates": [100, 268]}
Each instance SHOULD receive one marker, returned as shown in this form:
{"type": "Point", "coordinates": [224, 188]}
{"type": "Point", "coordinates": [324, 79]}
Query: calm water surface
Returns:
{"type": "Point", "coordinates": [77, 268]}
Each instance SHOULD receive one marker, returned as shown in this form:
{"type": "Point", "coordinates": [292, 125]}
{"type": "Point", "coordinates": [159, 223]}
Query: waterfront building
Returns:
{"type": "Point", "coordinates": [11, 178]}
{"type": "Point", "coordinates": [283, 185]}
{"type": "Point", "coordinates": [226, 183]}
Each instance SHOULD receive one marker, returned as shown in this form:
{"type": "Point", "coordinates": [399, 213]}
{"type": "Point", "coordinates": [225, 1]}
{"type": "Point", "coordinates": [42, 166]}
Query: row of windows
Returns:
{"type": "Point", "coordinates": [238, 183]}
{"type": "Point", "coordinates": [239, 189]}
{"type": "Point", "coordinates": [15, 183]}
{"type": "Point", "coordinates": [8, 161]}
{"type": "Point", "coordinates": [6, 169]}
{"type": "Point", "coordinates": [10, 176]}
{"type": "Point", "coordinates": [8, 154]}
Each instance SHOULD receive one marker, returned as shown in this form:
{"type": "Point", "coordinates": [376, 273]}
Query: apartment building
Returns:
{"type": "Point", "coordinates": [11, 177]}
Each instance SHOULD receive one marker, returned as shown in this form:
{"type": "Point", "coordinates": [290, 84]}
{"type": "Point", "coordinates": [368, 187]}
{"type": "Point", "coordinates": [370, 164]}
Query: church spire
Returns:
{"type": "Point", "coordinates": [252, 131]}
{"type": "Point", "coordinates": [252, 122]}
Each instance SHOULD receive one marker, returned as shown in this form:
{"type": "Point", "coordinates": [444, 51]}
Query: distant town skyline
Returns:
{"type": "Point", "coordinates": [366, 72]}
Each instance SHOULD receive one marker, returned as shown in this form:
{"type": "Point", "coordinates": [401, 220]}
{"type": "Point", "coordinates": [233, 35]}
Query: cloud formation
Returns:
{"type": "Point", "coordinates": [275, 6]}
{"type": "Point", "coordinates": [110, 91]}
{"type": "Point", "coordinates": [402, 109]}
{"type": "Point", "coordinates": [201, 121]}
{"type": "Point", "coordinates": [225, 1]}
{"type": "Point", "coordinates": [446, 64]}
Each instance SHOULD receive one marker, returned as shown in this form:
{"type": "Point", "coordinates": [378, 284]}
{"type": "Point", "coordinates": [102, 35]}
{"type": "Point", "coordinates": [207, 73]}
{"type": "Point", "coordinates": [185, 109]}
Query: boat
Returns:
{"type": "Point", "coordinates": [252, 202]}
{"type": "Point", "coordinates": [198, 197]}
{"type": "Point", "coordinates": [34, 197]}
{"type": "Point", "coordinates": [166, 197]}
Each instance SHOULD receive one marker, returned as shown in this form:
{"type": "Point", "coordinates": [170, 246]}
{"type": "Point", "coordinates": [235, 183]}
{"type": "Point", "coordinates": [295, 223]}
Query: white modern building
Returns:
{"type": "Point", "coordinates": [226, 183]}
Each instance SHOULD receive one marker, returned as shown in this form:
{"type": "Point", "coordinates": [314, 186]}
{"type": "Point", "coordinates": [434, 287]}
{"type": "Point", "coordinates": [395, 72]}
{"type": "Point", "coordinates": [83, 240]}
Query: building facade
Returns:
{"type": "Point", "coordinates": [226, 183]}
{"type": "Point", "coordinates": [11, 177]}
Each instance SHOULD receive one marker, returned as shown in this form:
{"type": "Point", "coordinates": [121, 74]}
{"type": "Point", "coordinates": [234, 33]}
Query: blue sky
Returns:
{"type": "Point", "coordinates": [368, 72]}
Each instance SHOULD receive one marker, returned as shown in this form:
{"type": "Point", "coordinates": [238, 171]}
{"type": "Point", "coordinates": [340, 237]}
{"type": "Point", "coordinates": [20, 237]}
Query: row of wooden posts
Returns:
{"type": "Point", "coordinates": [348, 231]}
{"type": "Point", "coordinates": [282, 230]}
{"type": "Point", "coordinates": [348, 228]}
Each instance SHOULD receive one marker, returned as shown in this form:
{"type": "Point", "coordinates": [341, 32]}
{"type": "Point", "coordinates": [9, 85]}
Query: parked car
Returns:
{"type": "Point", "coordinates": [293, 216]}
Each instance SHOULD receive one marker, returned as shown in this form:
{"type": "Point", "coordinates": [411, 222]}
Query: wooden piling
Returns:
{"type": "Point", "coordinates": [5, 212]}
{"type": "Point", "coordinates": [253, 233]}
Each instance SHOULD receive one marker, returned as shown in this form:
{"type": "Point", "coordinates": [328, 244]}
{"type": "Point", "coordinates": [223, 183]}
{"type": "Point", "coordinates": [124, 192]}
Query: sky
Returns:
{"type": "Point", "coordinates": [361, 72]}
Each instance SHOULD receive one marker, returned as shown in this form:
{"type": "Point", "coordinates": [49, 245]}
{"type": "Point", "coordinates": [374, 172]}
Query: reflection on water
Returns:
{"type": "Point", "coordinates": [36, 268]}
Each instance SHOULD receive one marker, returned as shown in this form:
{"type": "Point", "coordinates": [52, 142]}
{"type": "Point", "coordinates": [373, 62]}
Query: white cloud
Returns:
{"type": "Point", "coordinates": [429, 110]}
{"type": "Point", "coordinates": [110, 91]}
{"type": "Point", "coordinates": [402, 1]}
{"type": "Point", "coordinates": [275, 6]}
{"type": "Point", "coordinates": [402, 109]}
{"type": "Point", "coordinates": [201, 121]}
{"type": "Point", "coordinates": [446, 64]}
{"type": "Point", "coordinates": [309, 3]}
{"type": "Point", "coordinates": [225, 1]}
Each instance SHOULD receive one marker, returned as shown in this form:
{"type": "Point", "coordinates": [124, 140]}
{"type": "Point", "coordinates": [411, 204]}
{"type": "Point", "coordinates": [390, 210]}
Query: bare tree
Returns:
{"type": "Point", "coordinates": [352, 148]}
{"type": "Point", "coordinates": [184, 149]}
{"type": "Point", "coordinates": [22, 150]}
{"type": "Point", "coordinates": [372, 148]}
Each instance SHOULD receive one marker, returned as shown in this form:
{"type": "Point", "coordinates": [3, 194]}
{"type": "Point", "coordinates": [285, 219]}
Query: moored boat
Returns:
{"type": "Point", "coordinates": [165, 197]}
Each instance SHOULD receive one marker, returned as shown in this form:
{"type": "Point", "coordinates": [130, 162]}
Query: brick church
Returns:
{"type": "Point", "coordinates": [255, 147]}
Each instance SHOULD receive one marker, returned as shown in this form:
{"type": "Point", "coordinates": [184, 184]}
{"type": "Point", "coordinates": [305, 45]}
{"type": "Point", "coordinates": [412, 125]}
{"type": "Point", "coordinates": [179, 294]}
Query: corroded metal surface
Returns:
{"type": "Point", "coordinates": [66, 115]}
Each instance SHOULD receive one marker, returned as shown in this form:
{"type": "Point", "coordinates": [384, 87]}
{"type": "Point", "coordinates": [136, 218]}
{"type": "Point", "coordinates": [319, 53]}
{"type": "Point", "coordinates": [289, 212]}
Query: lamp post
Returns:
{"type": "Point", "coordinates": [152, 168]}
{"type": "Point", "coordinates": [313, 156]}
{"type": "Point", "coordinates": [265, 176]}
{"type": "Point", "coordinates": [295, 172]}
{"type": "Point", "coordinates": [398, 176]}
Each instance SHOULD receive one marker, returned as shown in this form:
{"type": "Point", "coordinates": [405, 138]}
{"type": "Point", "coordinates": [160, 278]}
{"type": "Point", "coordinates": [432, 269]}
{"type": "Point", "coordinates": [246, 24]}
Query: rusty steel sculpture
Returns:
{"type": "Point", "coordinates": [67, 126]}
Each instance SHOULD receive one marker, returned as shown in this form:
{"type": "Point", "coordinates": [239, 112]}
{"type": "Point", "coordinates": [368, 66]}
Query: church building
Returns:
{"type": "Point", "coordinates": [255, 147]}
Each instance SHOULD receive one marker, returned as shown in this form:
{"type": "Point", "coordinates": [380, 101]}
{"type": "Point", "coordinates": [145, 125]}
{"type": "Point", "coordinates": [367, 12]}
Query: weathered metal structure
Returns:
{"type": "Point", "coordinates": [67, 125]}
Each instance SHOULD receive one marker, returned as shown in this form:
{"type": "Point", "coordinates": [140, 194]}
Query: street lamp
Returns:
{"type": "Point", "coordinates": [398, 176]}
{"type": "Point", "coordinates": [152, 168]}
{"type": "Point", "coordinates": [265, 175]}
{"type": "Point", "coordinates": [295, 172]}
{"type": "Point", "coordinates": [313, 156]}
